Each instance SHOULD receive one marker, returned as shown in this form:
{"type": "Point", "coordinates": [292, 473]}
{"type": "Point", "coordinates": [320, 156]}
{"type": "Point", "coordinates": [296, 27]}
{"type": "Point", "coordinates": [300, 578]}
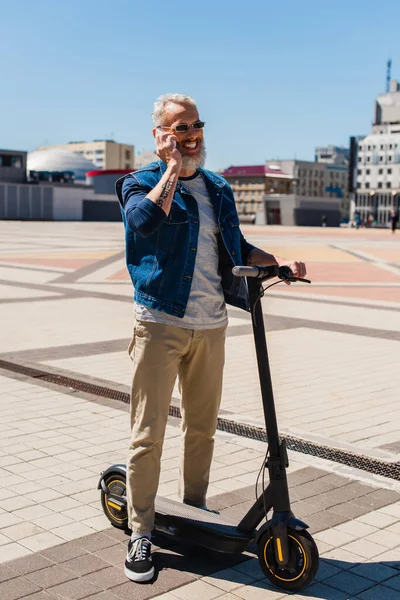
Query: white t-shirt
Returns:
{"type": "Point", "coordinates": [206, 307]}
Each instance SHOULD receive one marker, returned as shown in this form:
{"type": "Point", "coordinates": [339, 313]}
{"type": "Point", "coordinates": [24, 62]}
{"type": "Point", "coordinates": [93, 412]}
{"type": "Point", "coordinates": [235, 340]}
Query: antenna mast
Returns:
{"type": "Point", "coordinates": [388, 75]}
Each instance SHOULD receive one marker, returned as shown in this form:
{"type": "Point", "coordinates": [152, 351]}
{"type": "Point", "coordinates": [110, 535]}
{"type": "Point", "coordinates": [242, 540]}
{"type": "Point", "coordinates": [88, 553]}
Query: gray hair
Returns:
{"type": "Point", "coordinates": [162, 102]}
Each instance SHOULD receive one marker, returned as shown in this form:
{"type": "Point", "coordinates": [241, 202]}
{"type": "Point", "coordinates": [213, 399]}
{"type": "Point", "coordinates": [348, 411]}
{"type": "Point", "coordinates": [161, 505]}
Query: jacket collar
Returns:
{"type": "Point", "coordinates": [212, 177]}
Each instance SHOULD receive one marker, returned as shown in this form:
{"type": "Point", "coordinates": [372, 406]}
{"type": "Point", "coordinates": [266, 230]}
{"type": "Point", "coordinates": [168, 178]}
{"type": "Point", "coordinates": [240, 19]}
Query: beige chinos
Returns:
{"type": "Point", "coordinates": [160, 353]}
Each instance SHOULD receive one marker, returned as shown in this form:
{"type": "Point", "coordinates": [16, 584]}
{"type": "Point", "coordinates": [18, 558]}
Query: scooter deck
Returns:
{"type": "Point", "coordinates": [195, 525]}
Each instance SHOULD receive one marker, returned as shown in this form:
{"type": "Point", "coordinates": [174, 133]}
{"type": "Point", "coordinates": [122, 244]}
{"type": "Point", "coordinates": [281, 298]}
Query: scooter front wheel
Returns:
{"type": "Point", "coordinates": [301, 567]}
{"type": "Point", "coordinates": [114, 500]}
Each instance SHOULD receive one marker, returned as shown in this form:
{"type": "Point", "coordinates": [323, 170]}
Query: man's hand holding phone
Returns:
{"type": "Point", "coordinates": [166, 147]}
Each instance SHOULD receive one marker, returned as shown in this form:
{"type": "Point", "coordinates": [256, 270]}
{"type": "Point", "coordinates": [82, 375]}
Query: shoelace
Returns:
{"type": "Point", "coordinates": [140, 549]}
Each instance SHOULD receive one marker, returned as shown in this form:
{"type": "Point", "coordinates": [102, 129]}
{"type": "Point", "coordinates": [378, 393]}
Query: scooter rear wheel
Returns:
{"type": "Point", "coordinates": [116, 487]}
{"type": "Point", "coordinates": [303, 560]}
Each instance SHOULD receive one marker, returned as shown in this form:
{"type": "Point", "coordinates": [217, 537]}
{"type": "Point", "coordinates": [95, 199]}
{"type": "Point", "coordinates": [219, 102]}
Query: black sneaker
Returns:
{"type": "Point", "coordinates": [138, 563]}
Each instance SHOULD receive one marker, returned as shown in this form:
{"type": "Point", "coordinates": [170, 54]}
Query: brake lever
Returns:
{"type": "Point", "coordinates": [299, 279]}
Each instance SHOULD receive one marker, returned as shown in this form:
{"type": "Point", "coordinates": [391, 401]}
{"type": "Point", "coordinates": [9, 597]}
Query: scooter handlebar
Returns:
{"type": "Point", "coordinates": [283, 272]}
{"type": "Point", "coordinates": [257, 272]}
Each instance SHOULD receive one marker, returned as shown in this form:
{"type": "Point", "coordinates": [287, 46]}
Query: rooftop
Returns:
{"type": "Point", "coordinates": [255, 171]}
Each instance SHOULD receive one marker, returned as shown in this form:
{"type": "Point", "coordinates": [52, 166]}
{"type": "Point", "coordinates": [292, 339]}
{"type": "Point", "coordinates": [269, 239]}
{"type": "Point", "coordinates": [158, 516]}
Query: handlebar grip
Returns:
{"type": "Point", "coordinates": [246, 271]}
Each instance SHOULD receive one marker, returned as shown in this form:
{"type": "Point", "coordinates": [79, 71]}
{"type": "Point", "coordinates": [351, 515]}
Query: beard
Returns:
{"type": "Point", "coordinates": [194, 162]}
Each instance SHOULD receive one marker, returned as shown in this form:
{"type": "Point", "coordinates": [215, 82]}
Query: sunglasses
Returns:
{"type": "Point", "coordinates": [182, 127]}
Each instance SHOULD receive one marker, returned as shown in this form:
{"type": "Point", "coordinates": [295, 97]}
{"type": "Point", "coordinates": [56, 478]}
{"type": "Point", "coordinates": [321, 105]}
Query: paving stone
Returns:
{"type": "Point", "coordinates": [324, 520]}
{"type": "Point", "coordinates": [197, 590]}
{"type": "Point", "coordinates": [75, 589]}
{"type": "Point", "coordinates": [260, 590]}
{"type": "Point", "coordinates": [95, 542]}
{"type": "Point", "coordinates": [30, 563]}
{"type": "Point", "coordinates": [320, 590]}
{"type": "Point", "coordinates": [375, 571]}
{"type": "Point", "coordinates": [379, 592]}
{"type": "Point", "coordinates": [140, 592]}
{"type": "Point", "coordinates": [394, 583]}
{"type": "Point", "coordinates": [42, 596]}
{"type": "Point", "coordinates": [88, 563]}
{"type": "Point", "coordinates": [102, 596]}
{"type": "Point", "coordinates": [50, 576]}
{"type": "Point", "coordinates": [379, 498]}
{"type": "Point", "coordinates": [108, 577]}
{"type": "Point", "coordinates": [17, 588]}
{"type": "Point", "coordinates": [64, 552]}
{"type": "Point", "coordinates": [114, 555]}
{"type": "Point", "coordinates": [6, 572]}
{"type": "Point", "coordinates": [364, 548]}
{"type": "Point", "coordinates": [326, 569]}
{"type": "Point", "coordinates": [349, 582]}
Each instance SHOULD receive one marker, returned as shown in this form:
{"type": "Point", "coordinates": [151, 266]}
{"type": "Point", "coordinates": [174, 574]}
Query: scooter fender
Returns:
{"type": "Point", "coordinates": [120, 469]}
{"type": "Point", "coordinates": [293, 523]}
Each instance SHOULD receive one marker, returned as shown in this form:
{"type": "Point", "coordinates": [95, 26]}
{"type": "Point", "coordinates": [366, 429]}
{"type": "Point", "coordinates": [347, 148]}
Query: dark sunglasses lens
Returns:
{"type": "Point", "coordinates": [181, 128]}
{"type": "Point", "coordinates": [199, 125]}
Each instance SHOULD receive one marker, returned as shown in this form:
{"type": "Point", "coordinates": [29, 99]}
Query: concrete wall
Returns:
{"type": "Point", "coordinates": [287, 206]}
{"type": "Point", "coordinates": [26, 202]}
{"type": "Point", "coordinates": [51, 202]}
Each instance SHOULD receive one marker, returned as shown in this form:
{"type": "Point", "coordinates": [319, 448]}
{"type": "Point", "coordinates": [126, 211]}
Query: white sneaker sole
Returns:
{"type": "Point", "coordinates": [138, 577]}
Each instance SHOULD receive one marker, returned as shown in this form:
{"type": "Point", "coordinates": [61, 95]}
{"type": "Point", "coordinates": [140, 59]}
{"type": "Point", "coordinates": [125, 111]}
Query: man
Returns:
{"type": "Point", "coordinates": [182, 240]}
{"type": "Point", "coordinates": [394, 217]}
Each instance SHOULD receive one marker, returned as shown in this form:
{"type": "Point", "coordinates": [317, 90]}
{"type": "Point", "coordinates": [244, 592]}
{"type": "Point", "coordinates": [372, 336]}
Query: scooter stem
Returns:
{"type": "Point", "coordinates": [267, 394]}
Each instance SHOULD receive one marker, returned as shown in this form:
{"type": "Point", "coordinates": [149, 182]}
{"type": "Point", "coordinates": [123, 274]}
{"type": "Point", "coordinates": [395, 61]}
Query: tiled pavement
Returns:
{"type": "Point", "coordinates": [65, 306]}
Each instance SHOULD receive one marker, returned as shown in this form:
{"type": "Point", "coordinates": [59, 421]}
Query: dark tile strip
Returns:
{"type": "Point", "coordinates": [88, 269]}
{"type": "Point", "coordinates": [68, 292]}
{"type": "Point", "coordinates": [30, 268]}
{"type": "Point", "coordinates": [336, 302]}
{"type": "Point", "coordinates": [35, 298]}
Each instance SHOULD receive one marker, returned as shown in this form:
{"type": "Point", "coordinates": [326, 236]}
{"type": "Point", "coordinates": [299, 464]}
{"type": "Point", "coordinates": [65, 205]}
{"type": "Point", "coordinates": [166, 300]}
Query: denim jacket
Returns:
{"type": "Point", "coordinates": [161, 250]}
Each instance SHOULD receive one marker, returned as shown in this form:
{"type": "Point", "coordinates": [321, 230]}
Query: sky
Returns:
{"type": "Point", "coordinates": [271, 79]}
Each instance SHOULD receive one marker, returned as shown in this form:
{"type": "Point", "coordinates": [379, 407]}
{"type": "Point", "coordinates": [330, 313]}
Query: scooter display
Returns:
{"type": "Point", "coordinates": [287, 553]}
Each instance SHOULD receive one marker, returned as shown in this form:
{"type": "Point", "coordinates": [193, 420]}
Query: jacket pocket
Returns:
{"type": "Point", "coordinates": [177, 216]}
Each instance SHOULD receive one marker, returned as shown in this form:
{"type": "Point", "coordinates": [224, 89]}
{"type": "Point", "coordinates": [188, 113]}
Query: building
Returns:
{"type": "Point", "coordinates": [145, 158]}
{"type": "Point", "coordinates": [13, 166]}
{"type": "Point", "coordinates": [56, 164]}
{"type": "Point", "coordinates": [332, 155]}
{"type": "Point", "coordinates": [104, 154]}
{"type": "Point", "coordinates": [318, 189]}
{"type": "Point", "coordinates": [387, 109]}
{"type": "Point", "coordinates": [378, 162]}
{"type": "Point", "coordinates": [46, 199]}
{"type": "Point", "coordinates": [251, 184]}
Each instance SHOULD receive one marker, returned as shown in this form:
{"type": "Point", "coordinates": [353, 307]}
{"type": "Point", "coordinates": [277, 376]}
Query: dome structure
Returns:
{"type": "Point", "coordinates": [57, 160]}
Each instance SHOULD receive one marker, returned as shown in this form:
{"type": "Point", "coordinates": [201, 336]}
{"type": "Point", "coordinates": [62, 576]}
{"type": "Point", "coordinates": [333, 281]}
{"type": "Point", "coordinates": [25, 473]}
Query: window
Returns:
{"type": "Point", "coordinates": [359, 159]}
{"type": "Point", "coordinates": [389, 171]}
{"type": "Point", "coordinates": [388, 184]}
{"type": "Point", "coordinates": [368, 172]}
{"type": "Point", "coordinates": [367, 185]}
{"type": "Point", "coordinates": [369, 147]}
{"type": "Point", "coordinates": [381, 146]}
{"type": "Point", "coordinates": [358, 184]}
{"type": "Point", "coordinates": [380, 172]}
{"type": "Point", "coordinates": [10, 160]}
{"type": "Point", "coordinates": [368, 159]}
{"type": "Point", "coordinates": [390, 146]}
{"type": "Point", "coordinates": [379, 184]}
{"type": "Point", "coordinates": [99, 152]}
{"type": "Point", "coordinates": [360, 147]}
{"type": "Point", "coordinates": [127, 155]}
{"type": "Point", "coordinates": [381, 159]}
{"type": "Point", "coordinates": [359, 172]}
{"type": "Point", "coordinates": [389, 158]}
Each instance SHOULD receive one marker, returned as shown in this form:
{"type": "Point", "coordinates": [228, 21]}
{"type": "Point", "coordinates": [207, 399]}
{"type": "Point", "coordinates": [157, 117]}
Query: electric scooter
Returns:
{"type": "Point", "coordinates": [287, 553]}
